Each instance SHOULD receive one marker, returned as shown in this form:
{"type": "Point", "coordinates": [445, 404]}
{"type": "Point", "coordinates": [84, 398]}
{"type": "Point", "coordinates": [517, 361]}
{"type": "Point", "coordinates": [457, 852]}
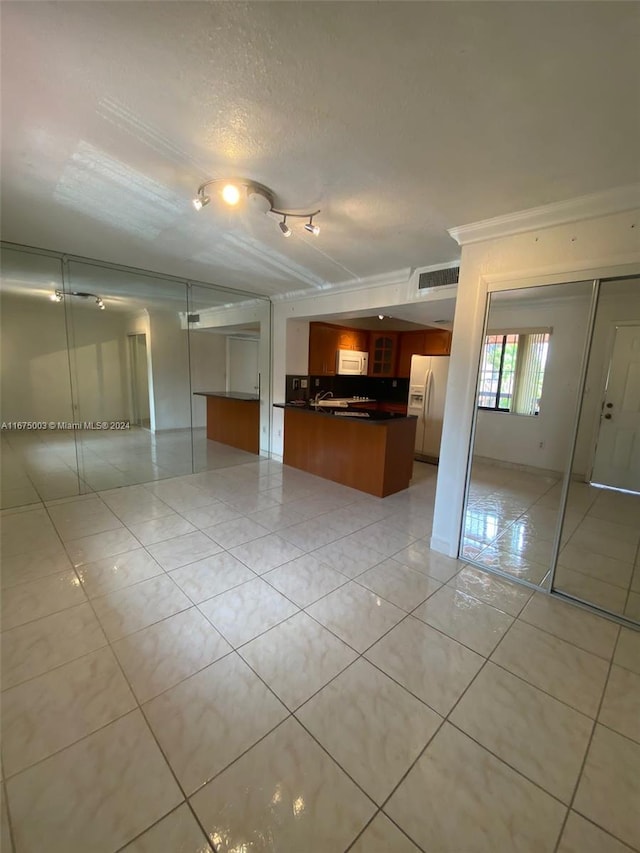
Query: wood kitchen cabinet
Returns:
{"type": "Point", "coordinates": [411, 343]}
{"type": "Point", "coordinates": [427, 342]}
{"type": "Point", "coordinates": [438, 342]}
{"type": "Point", "coordinates": [383, 353]}
{"type": "Point", "coordinates": [324, 342]}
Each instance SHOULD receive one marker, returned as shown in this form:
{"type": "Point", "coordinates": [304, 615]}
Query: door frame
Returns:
{"type": "Point", "coordinates": [606, 367]}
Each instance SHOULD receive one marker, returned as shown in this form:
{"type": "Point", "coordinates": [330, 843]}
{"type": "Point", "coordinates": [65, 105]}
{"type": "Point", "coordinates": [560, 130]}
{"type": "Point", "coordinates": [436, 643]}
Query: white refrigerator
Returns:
{"type": "Point", "coordinates": [427, 390]}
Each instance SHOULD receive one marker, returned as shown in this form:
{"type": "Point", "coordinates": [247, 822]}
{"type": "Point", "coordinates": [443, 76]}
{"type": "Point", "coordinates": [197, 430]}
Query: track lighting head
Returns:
{"type": "Point", "coordinates": [201, 201]}
{"type": "Point", "coordinates": [231, 194]}
{"type": "Point", "coordinates": [284, 227]}
{"type": "Point", "coordinates": [56, 296]}
{"type": "Point", "coordinates": [100, 303]}
{"type": "Point", "coordinates": [311, 228]}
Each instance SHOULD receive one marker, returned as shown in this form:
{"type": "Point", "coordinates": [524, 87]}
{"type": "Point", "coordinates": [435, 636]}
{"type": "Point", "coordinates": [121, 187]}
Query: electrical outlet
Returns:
{"type": "Point", "coordinates": [541, 445]}
{"type": "Point", "coordinates": [317, 383]}
{"type": "Point", "coordinates": [296, 384]}
{"type": "Point", "coordinates": [279, 433]}
{"type": "Point", "coordinates": [394, 384]}
{"type": "Point", "coordinates": [303, 383]}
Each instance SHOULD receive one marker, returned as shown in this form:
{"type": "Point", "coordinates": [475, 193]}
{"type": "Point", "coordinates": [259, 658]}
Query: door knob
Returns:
{"type": "Point", "coordinates": [607, 417]}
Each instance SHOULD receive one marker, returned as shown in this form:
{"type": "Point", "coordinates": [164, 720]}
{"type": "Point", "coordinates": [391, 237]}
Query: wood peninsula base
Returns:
{"type": "Point", "coordinates": [233, 419]}
{"type": "Point", "coordinates": [374, 456]}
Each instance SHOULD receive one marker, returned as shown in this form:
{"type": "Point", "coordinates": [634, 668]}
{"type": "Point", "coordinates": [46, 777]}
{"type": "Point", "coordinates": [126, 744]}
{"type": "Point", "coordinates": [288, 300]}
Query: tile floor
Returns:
{"type": "Point", "coordinates": [511, 522]}
{"type": "Point", "coordinates": [48, 465]}
{"type": "Point", "coordinates": [253, 659]}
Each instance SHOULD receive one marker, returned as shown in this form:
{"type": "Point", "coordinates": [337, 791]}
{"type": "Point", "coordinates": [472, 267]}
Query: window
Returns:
{"type": "Point", "coordinates": [512, 371]}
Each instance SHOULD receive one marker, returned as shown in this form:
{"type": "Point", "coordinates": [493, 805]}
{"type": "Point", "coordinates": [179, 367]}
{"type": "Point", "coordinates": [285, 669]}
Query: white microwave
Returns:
{"type": "Point", "coordinates": [352, 363]}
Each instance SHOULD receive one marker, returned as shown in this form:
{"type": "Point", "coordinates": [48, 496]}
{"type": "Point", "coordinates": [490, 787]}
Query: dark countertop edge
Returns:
{"type": "Point", "coordinates": [229, 395]}
{"type": "Point", "coordinates": [378, 421]}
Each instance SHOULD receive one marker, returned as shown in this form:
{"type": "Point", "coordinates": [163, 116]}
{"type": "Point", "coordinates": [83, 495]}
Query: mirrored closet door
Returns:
{"type": "Point", "coordinates": [559, 380]}
{"type": "Point", "coordinates": [598, 561]}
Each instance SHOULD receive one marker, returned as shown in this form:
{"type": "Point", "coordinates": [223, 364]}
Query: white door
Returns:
{"type": "Point", "coordinates": [242, 369]}
{"type": "Point", "coordinates": [617, 457]}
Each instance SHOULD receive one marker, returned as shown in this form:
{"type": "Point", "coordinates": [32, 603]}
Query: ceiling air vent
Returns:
{"type": "Point", "coordinates": [438, 278]}
{"type": "Point", "coordinates": [193, 318]}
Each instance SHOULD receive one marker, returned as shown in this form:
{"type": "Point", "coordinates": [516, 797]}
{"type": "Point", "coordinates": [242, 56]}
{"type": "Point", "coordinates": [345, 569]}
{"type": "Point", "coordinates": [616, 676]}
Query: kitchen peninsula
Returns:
{"type": "Point", "coordinates": [365, 449]}
{"type": "Point", "coordinates": [233, 418]}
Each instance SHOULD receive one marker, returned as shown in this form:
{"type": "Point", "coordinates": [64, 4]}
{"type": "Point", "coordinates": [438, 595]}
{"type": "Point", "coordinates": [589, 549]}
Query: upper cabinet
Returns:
{"type": "Point", "coordinates": [427, 342]}
{"type": "Point", "coordinates": [438, 342]}
{"type": "Point", "coordinates": [383, 352]}
{"type": "Point", "coordinates": [324, 342]}
{"type": "Point", "coordinates": [389, 352]}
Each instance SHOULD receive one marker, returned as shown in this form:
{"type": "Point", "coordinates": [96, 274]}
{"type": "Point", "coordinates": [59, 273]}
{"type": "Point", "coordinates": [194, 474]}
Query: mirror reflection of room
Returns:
{"type": "Point", "coordinates": [116, 346]}
{"type": "Point", "coordinates": [598, 561]}
{"type": "Point", "coordinates": [527, 393]}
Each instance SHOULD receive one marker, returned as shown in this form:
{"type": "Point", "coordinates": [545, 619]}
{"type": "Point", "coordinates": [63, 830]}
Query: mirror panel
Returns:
{"type": "Point", "coordinates": [137, 336]}
{"type": "Point", "coordinates": [228, 338]}
{"type": "Point", "coordinates": [528, 384]}
{"type": "Point", "coordinates": [598, 562]}
{"type": "Point", "coordinates": [38, 463]}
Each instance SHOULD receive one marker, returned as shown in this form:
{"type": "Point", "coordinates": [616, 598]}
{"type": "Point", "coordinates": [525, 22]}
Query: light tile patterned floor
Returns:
{"type": "Point", "coordinates": [253, 659]}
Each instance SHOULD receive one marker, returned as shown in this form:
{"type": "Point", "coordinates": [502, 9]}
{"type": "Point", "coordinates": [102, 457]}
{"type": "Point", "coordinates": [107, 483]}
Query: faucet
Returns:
{"type": "Point", "coordinates": [321, 395]}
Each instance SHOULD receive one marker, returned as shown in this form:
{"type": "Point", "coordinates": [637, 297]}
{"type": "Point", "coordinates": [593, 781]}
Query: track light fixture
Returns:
{"type": "Point", "coordinates": [59, 295]}
{"type": "Point", "coordinates": [284, 227]}
{"type": "Point", "coordinates": [258, 196]}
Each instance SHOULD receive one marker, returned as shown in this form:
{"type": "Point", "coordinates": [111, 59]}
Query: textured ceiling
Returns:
{"type": "Point", "coordinates": [399, 120]}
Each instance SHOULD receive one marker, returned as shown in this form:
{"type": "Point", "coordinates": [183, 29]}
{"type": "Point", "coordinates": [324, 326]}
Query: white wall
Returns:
{"type": "Point", "coordinates": [518, 438]}
{"type": "Point", "coordinates": [208, 369]}
{"type": "Point", "coordinates": [170, 371]}
{"type": "Point", "coordinates": [99, 360]}
{"type": "Point", "coordinates": [35, 366]}
{"type": "Point", "coordinates": [602, 245]}
{"type": "Point", "coordinates": [297, 352]}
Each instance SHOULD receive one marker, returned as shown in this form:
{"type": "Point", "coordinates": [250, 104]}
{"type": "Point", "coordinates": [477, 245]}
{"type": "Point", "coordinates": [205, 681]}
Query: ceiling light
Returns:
{"type": "Point", "coordinates": [201, 201]}
{"type": "Point", "coordinates": [311, 228]}
{"type": "Point", "coordinates": [284, 227]}
{"type": "Point", "coordinates": [231, 194]}
{"type": "Point", "coordinates": [58, 296]}
{"type": "Point", "coordinates": [259, 197]}
{"type": "Point", "coordinates": [380, 316]}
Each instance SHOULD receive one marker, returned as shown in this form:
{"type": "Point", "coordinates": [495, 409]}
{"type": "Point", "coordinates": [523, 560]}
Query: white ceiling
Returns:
{"type": "Point", "coordinates": [399, 120]}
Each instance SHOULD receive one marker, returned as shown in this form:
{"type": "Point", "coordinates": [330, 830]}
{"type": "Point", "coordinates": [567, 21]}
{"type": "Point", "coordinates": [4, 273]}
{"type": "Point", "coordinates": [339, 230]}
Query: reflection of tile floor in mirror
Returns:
{"type": "Point", "coordinates": [44, 465]}
{"type": "Point", "coordinates": [510, 526]}
{"type": "Point", "coordinates": [256, 659]}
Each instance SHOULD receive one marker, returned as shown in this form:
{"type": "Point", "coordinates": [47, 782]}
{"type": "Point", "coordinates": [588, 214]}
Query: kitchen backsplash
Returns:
{"type": "Point", "coordinates": [390, 390]}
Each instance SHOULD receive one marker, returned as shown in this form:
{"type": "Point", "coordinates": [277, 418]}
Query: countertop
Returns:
{"type": "Point", "coordinates": [356, 414]}
{"type": "Point", "coordinates": [229, 395]}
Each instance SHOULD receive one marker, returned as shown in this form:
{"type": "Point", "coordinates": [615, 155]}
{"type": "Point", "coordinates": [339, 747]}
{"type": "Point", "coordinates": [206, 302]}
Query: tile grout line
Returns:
{"type": "Point", "coordinates": [588, 747]}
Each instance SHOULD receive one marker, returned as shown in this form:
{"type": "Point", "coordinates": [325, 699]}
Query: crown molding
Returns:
{"type": "Point", "coordinates": [558, 213]}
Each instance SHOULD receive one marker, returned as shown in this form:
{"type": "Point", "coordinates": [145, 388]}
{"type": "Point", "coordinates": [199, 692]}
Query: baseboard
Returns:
{"type": "Point", "coordinates": [443, 546]}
